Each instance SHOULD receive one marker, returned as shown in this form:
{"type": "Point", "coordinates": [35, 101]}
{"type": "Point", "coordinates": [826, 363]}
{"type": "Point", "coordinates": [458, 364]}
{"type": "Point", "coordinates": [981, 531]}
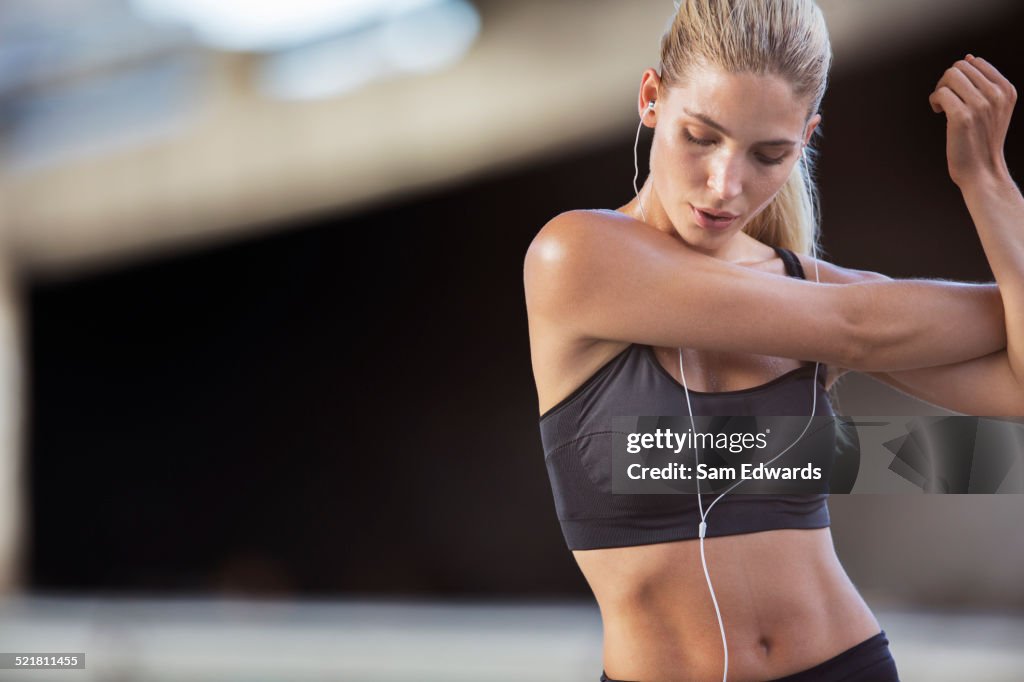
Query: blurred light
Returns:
{"type": "Point", "coordinates": [323, 69]}
{"type": "Point", "coordinates": [429, 38]}
{"type": "Point", "coordinates": [268, 25]}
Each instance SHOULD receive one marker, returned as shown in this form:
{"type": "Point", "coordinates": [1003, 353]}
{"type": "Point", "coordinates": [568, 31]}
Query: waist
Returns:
{"type": "Point", "coordinates": [785, 601]}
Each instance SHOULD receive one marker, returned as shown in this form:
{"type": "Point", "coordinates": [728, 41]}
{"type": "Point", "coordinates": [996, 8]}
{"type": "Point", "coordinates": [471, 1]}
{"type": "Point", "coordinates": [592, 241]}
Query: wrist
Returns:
{"type": "Point", "coordinates": [993, 183]}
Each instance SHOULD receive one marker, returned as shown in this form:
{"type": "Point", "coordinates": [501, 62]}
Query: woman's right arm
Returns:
{"type": "Point", "coordinates": [600, 275]}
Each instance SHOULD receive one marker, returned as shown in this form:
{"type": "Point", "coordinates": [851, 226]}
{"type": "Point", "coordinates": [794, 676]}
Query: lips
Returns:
{"type": "Point", "coordinates": [716, 214]}
{"type": "Point", "coordinates": [712, 220]}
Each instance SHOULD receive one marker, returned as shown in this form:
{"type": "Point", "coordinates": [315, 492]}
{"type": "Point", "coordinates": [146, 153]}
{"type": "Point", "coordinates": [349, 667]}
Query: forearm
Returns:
{"type": "Point", "coordinates": [978, 103]}
{"type": "Point", "coordinates": [907, 324]}
{"type": "Point", "coordinates": [997, 208]}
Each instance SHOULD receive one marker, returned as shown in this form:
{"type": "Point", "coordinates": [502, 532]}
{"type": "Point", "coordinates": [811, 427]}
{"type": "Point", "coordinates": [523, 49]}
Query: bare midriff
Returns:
{"type": "Point", "coordinates": [786, 604]}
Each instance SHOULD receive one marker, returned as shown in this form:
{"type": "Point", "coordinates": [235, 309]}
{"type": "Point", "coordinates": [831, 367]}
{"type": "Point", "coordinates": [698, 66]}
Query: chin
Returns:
{"type": "Point", "coordinates": [698, 233]}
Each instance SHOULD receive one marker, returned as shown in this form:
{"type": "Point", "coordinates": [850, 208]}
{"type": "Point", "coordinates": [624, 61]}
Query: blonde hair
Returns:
{"type": "Point", "coordinates": [787, 38]}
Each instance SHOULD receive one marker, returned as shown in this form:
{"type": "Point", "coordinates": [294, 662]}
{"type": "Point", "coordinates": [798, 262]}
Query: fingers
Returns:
{"type": "Point", "coordinates": [978, 103]}
{"type": "Point", "coordinates": [977, 84]}
{"type": "Point", "coordinates": [956, 80]}
{"type": "Point", "coordinates": [993, 75]}
{"type": "Point", "coordinates": [980, 81]}
{"type": "Point", "coordinates": [945, 100]}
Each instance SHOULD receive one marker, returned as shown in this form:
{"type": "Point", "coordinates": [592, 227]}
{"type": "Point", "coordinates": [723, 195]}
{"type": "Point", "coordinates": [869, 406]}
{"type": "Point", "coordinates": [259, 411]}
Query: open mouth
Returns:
{"type": "Point", "coordinates": [712, 220]}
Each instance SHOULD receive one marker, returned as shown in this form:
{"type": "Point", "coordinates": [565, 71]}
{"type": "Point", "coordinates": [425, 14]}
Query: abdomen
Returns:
{"type": "Point", "coordinates": [785, 600]}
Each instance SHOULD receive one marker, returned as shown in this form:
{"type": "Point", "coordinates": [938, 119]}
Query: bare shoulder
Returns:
{"type": "Point", "coordinates": [579, 250]}
{"type": "Point", "coordinates": [570, 240]}
{"type": "Point", "coordinates": [551, 259]}
{"type": "Point", "coordinates": [576, 224]}
{"type": "Point", "coordinates": [555, 249]}
{"type": "Point", "coordinates": [571, 228]}
{"type": "Point", "coordinates": [563, 256]}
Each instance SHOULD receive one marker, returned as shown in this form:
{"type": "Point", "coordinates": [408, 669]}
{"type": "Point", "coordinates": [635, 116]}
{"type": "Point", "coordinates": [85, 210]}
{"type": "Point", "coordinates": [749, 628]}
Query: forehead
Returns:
{"type": "Point", "coordinates": [749, 106]}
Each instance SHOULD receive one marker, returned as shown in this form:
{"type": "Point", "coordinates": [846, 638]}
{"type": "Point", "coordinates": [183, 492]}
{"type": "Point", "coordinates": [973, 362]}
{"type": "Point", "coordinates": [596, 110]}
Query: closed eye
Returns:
{"type": "Point", "coordinates": [698, 141]}
{"type": "Point", "coordinates": [769, 161]}
{"type": "Point", "coordinates": [765, 160]}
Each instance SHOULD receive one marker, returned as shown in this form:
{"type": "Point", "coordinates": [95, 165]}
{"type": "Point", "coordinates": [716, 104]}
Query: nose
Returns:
{"type": "Point", "coordinates": [725, 176]}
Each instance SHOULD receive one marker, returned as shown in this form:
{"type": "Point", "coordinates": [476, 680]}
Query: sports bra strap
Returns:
{"type": "Point", "coordinates": [793, 266]}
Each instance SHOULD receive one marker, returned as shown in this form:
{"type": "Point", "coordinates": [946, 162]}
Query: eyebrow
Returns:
{"type": "Point", "coordinates": [706, 120]}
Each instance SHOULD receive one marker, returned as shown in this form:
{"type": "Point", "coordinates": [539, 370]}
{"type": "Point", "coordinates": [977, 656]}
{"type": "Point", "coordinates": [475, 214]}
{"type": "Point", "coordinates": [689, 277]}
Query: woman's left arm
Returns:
{"type": "Point", "coordinates": [978, 103]}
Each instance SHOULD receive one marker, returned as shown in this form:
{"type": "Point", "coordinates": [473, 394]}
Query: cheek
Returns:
{"type": "Point", "coordinates": [675, 158]}
{"type": "Point", "coordinates": [761, 193]}
{"type": "Point", "coordinates": [763, 188]}
{"type": "Point", "coordinates": [678, 169]}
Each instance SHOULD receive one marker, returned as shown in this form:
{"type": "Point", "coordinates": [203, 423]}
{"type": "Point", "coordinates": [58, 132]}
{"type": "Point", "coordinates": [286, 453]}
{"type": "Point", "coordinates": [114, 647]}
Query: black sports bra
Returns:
{"type": "Point", "coordinates": [577, 438]}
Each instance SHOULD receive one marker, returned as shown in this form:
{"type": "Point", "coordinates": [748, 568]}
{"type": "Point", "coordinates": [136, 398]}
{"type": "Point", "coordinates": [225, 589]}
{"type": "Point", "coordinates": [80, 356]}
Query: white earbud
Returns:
{"type": "Point", "coordinates": [650, 105]}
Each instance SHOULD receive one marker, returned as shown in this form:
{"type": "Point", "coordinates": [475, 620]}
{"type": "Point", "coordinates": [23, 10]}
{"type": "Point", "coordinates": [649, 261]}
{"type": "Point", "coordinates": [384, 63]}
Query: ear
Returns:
{"type": "Point", "coordinates": [650, 90]}
{"type": "Point", "coordinates": [811, 126]}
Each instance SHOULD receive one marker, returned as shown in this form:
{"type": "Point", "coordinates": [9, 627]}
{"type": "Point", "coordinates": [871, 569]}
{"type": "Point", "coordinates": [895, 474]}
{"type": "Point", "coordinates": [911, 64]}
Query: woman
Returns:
{"type": "Point", "coordinates": [690, 299]}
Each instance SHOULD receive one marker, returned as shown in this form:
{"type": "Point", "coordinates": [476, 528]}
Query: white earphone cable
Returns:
{"type": "Point", "coordinates": [702, 527]}
{"type": "Point", "coordinates": [636, 164]}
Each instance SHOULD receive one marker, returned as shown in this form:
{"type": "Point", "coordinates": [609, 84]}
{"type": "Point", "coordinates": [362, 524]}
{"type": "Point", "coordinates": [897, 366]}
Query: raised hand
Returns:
{"type": "Point", "coordinates": [978, 102]}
